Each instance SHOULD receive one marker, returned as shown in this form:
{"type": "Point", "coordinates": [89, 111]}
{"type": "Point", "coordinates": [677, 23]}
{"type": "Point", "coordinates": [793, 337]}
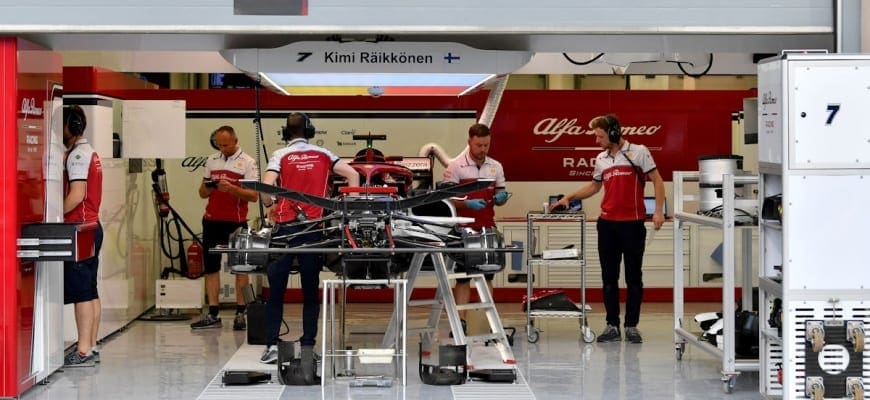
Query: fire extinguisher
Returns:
{"type": "Point", "coordinates": [195, 260]}
{"type": "Point", "coordinates": [158, 176]}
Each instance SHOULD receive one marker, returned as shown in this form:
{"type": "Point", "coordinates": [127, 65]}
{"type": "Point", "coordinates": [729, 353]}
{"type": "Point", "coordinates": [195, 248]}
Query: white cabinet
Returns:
{"type": "Point", "coordinates": [814, 151]}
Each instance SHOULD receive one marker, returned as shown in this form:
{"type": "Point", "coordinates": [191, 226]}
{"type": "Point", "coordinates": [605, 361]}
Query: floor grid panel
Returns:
{"type": "Point", "coordinates": [216, 390]}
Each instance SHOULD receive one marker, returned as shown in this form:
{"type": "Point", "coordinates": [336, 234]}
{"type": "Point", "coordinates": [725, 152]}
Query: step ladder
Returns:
{"type": "Point", "coordinates": [444, 302]}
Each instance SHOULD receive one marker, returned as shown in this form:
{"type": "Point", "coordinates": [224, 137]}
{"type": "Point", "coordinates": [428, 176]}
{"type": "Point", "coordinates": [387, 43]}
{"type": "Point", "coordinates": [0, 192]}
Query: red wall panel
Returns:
{"type": "Point", "coordinates": [539, 135]}
{"type": "Point", "coordinates": [9, 223]}
{"type": "Point", "coordinates": [544, 135]}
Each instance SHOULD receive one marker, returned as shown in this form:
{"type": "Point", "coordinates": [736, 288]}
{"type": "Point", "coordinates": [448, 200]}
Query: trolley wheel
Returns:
{"type": "Point", "coordinates": [588, 335]}
{"type": "Point", "coordinates": [728, 384]}
{"type": "Point", "coordinates": [680, 349]}
{"type": "Point", "coordinates": [533, 335]}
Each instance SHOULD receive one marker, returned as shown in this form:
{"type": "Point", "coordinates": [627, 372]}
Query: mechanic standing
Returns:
{"type": "Point", "coordinates": [226, 211]}
{"type": "Point", "coordinates": [480, 205]}
{"type": "Point", "coordinates": [305, 168]}
{"type": "Point", "coordinates": [83, 193]}
{"type": "Point", "coordinates": [622, 169]}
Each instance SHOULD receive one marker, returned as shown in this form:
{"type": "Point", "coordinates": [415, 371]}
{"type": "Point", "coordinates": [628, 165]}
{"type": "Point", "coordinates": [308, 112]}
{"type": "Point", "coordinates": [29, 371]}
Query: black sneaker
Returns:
{"type": "Point", "coordinates": [95, 354]}
{"type": "Point", "coordinates": [76, 360]}
{"type": "Point", "coordinates": [239, 323]}
{"type": "Point", "coordinates": [632, 335]}
{"type": "Point", "coordinates": [207, 322]}
{"type": "Point", "coordinates": [610, 334]}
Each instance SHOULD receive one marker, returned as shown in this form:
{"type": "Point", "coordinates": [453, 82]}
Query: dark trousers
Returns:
{"type": "Point", "coordinates": [621, 241]}
{"type": "Point", "coordinates": [309, 266]}
{"type": "Point", "coordinates": [80, 277]}
{"type": "Point", "coordinates": [216, 233]}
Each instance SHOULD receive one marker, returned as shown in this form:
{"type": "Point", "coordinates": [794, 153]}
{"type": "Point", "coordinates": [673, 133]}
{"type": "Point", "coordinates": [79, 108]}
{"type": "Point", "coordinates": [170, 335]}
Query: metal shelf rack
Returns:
{"type": "Point", "coordinates": [532, 332]}
{"type": "Point", "coordinates": [731, 366]}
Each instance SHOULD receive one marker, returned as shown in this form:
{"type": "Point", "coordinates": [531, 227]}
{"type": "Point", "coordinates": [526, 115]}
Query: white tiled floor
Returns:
{"type": "Point", "coordinates": [166, 360]}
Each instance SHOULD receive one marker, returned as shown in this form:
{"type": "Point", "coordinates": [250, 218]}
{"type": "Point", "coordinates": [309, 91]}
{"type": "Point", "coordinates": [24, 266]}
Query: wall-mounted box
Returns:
{"type": "Point", "coordinates": [153, 128]}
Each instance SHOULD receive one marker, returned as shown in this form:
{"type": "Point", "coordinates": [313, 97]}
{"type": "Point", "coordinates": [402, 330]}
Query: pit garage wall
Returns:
{"type": "Point", "coordinates": [685, 124]}
{"type": "Point", "coordinates": [30, 291]}
{"type": "Point", "coordinates": [541, 137]}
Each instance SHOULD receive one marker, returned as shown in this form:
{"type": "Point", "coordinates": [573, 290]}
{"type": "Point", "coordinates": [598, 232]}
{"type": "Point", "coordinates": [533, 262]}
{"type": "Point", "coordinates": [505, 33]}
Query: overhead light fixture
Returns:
{"type": "Point", "coordinates": [375, 84]}
{"type": "Point", "coordinates": [393, 68]}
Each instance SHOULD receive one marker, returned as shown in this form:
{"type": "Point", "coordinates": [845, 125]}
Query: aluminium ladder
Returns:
{"type": "Point", "coordinates": [444, 302]}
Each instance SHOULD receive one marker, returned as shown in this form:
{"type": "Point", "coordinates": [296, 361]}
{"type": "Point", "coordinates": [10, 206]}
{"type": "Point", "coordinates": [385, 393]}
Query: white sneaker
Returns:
{"type": "Point", "coordinates": [270, 355]}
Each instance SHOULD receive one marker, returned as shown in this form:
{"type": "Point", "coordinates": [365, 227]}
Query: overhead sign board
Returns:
{"type": "Point", "coordinates": [380, 57]}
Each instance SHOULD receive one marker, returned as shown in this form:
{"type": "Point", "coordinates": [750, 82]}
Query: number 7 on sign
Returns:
{"type": "Point", "coordinates": [832, 109]}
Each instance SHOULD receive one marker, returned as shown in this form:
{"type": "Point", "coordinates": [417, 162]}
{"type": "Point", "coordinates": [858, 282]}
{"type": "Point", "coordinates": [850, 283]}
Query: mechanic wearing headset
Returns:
{"type": "Point", "coordinates": [226, 211]}
{"type": "Point", "coordinates": [621, 169]}
{"type": "Point", "coordinates": [305, 168]}
{"type": "Point", "coordinates": [83, 192]}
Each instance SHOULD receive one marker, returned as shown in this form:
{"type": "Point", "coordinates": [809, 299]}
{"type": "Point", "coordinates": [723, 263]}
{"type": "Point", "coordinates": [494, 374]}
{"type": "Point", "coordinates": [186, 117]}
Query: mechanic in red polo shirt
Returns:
{"type": "Point", "coordinates": [83, 193]}
{"type": "Point", "coordinates": [480, 205]}
{"type": "Point", "coordinates": [226, 211]}
{"type": "Point", "coordinates": [306, 168]}
{"type": "Point", "coordinates": [622, 169]}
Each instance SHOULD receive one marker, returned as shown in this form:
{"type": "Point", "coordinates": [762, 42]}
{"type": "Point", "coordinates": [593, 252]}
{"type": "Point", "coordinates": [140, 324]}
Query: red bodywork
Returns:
{"type": "Point", "coordinates": [377, 170]}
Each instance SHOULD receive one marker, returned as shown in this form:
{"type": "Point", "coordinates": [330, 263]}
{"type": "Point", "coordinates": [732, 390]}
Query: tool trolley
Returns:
{"type": "Point", "coordinates": [541, 260]}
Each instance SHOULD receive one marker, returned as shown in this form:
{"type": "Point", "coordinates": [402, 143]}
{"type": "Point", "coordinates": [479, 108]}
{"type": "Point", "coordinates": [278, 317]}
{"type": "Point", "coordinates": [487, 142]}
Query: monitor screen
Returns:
{"type": "Point", "coordinates": [573, 205]}
{"type": "Point", "coordinates": [649, 202]}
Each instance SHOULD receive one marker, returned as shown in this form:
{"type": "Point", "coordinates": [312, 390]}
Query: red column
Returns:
{"type": "Point", "coordinates": [8, 217]}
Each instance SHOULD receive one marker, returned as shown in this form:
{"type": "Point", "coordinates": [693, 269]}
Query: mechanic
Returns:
{"type": "Point", "coordinates": [302, 167]}
{"type": "Point", "coordinates": [622, 169]}
{"type": "Point", "coordinates": [480, 205]}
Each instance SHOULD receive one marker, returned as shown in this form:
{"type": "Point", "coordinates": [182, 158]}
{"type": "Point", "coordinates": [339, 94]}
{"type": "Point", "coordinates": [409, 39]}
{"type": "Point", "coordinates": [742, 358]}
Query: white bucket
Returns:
{"type": "Point", "coordinates": [711, 168]}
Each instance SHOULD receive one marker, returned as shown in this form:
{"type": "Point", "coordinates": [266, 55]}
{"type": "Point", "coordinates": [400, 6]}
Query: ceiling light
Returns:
{"type": "Point", "coordinates": [388, 84]}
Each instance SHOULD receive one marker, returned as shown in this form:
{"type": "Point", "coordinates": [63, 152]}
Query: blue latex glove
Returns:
{"type": "Point", "coordinates": [475, 204]}
{"type": "Point", "coordinates": [501, 197]}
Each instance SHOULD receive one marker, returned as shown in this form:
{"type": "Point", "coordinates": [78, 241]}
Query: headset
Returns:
{"type": "Point", "coordinates": [75, 120]}
{"type": "Point", "coordinates": [308, 128]}
{"type": "Point", "coordinates": [211, 140]}
{"type": "Point", "coordinates": [614, 131]}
